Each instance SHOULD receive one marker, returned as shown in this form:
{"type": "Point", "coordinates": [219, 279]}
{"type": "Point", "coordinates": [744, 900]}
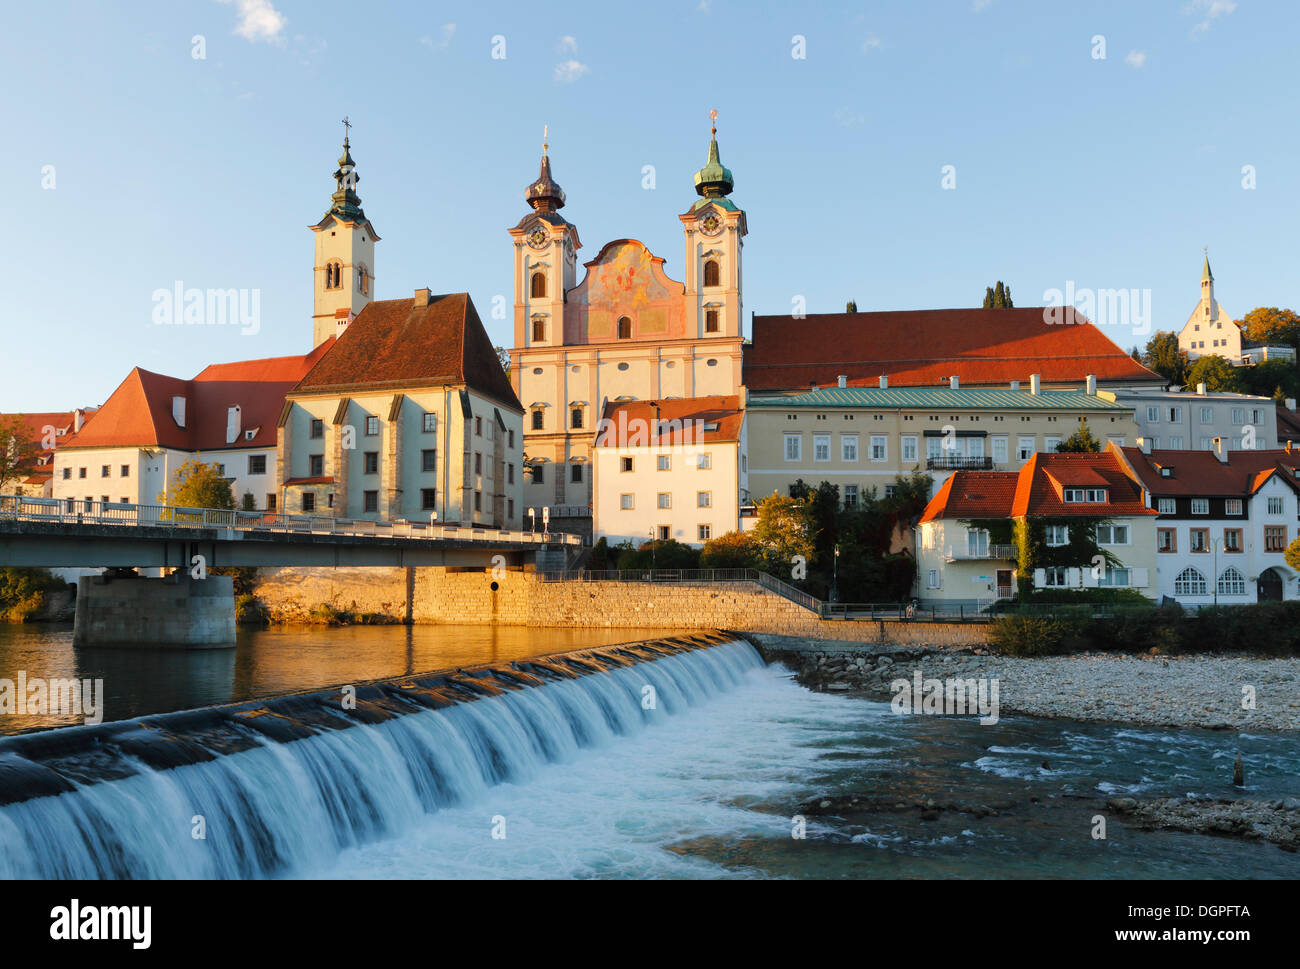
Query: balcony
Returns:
{"type": "Point", "coordinates": [958, 462]}
{"type": "Point", "coordinates": [984, 553]}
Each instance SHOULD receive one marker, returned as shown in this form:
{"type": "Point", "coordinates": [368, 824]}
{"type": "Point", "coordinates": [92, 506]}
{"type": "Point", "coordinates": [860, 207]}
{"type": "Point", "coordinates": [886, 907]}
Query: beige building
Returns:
{"type": "Point", "coordinates": [671, 469]}
{"type": "Point", "coordinates": [344, 266]}
{"type": "Point", "coordinates": [1210, 331]}
{"type": "Point", "coordinates": [862, 438]}
{"type": "Point", "coordinates": [625, 332]}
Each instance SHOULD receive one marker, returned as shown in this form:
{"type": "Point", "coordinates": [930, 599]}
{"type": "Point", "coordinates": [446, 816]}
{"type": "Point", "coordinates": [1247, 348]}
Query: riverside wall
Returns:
{"type": "Point", "coordinates": [520, 598]}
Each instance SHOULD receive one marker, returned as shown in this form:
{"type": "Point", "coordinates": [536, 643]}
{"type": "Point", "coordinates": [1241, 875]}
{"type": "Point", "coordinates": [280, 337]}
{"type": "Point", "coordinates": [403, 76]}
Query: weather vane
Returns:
{"type": "Point", "coordinates": [347, 127]}
{"type": "Point", "coordinates": [713, 116]}
{"type": "Point", "coordinates": [545, 147]}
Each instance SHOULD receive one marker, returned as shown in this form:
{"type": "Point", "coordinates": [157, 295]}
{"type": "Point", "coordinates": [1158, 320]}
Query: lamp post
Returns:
{"type": "Point", "coordinates": [652, 550]}
{"type": "Point", "coordinates": [1215, 578]}
{"type": "Point", "coordinates": [835, 575]}
{"type": "Point", "coordinates": [532, 521]}
{"type": "Point", "coordinates": [546, 523]}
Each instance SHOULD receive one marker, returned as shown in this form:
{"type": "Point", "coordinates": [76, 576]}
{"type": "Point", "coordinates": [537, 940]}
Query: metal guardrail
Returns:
{"type": "Point", "coordinates": [988, 553]}
{"type": "Point", "coordinates": [958, 462]}
{"type": "Point", "coordinates": [76, 512]}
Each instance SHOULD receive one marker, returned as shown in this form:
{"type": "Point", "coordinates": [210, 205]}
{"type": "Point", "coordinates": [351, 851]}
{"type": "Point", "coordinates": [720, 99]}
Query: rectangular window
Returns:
{"type": "Point", "coordinates": [575, 473]}
{"type": "Point", "coordinates": [705, 532]}
{"type": "Point", "coordinates": [821, 447]}
{"type": "Point", "coordinates": [848, 447]}
{"type": "Point", "coordinates": [575, 416]}
{"type": "Point", "coordinates": [879, 447]}
{"type": "Point", "coordinates": [257, 464]}
{"type": "Point", "coordinates": [891, 490]}
{"type": "Point", "coordinates": [1200, 506]}
{"type": "Point", "coordinates": [1175, 415]}
{"type": "Point", "coordinates": [999, 450]}
{"type": "Point", "coordinates": [372, 426]}
{"type": "Point", "coordinates": [665, 499]}
{"type": "Point", "coordinates": [1051, 443]}
{"type": "Point", "coordinates": [105, 471]}
{"type": "Point", "coordinates": [626, 464]}
{"type": "Point", "coordinates": [1112, 534]}
{"type": "Point", "coordinates": [663, 462]}
{"type": "Point", "coordinates": [1274, 538]}
{"type": "Point", "coordinates": [539, 474]}
{"type": "Point", "coordinates": [1166, 540]}
{"type": "Point", "coordinates": [270, 502]}
{"type": "Point", "coordinates": [1274, 505]}
{"type": "Point", "coordinates": [1114, 578]}
{"type": "Point", "coordinates": [308, 501]}
{"type": "Point", "coordinates": [1198, 540]}
{"type": "Point", "coordinates": [428, 499]}
{"type": "Point", "coordinates": [793, 448]}
{"type": "Point", "coordinates": [537, 419]}
{"type": "Point", "coordinates": [704, 462]}
{"type": "Point", "coordinates": [315, 465]}
{"type": "Point", "coordinates": [1207, 415]}
{"type": "Point", "coordinates": [1025, 448]}
{"type": "Point", "coordinates": [510, 508]}
{"type": "Point", "coordinates": [710, 321]}
{"type": "Point", "coordinates": [1166, 506]}
{"type": "Point", "coordinates": [1055, 576]}
{"type": "Point", "coordinates": [510, 437]}
{"type": "Point", "coordinates": [932, 579]}
{"type": "Point", "coordinates": [626, 502]}
{"type": "Point", "coordinates": [977, 543]}
{"type": "Point", "coordinates": [429, 460]}
{"type": "Point", "coordinates": [478, 501]}
{"type": "Point", "coordinates": [510, 474]}
{"type": "Point", "coordinates": [126, 468]}
{"type": "Point", "coordinates": [1153, 415]}
{"type": "Point", "coordinates": [1088, 495]}
{"type": "Point", "coordinates": [850, 496]}
{"type": "Point", "coordinates": [1256, 416]}
{"type": "Point", "coordinates": [1239, 416]}
{"type": "Point", "coordinates": [371, 462]}
{"type": "Point", "coordinates": [933, 447]}
{"type": "Point", "coordinates": [371, 500]}
{"type": "Point", "coordinates": [478, 462]}
{"type": "Point", "coordinates": [317, 428]}
{"type": "Point", "coordinates": [662, 532]}
{"type": "Point", "coordinates": [430, 423]}
{"type": "Point", "coordinates": [704, 499]}
{"type": "Point", "coordinates": [478, 427]}
{"type": "Point", "coordinates": [1232, 539]}
{"type": "Point", "coordinates": [909, 449]}
{"type": "Point", "coordinates": [539, 330]}
{"type": "Point", "coordinates": [67, 474]}
{"type": "Point", "coordinates": [1057, 535]}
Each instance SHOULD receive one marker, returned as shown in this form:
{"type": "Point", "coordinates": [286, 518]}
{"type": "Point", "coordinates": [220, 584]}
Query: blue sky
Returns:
{"type": "Point", "coordinates": [1104, 173]}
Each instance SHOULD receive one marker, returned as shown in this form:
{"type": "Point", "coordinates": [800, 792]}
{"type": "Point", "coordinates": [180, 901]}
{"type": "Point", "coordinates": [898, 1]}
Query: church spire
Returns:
{"type": "Point", "coordinates": [545, 194]}
{"type": "Point", "coordinates": [1206, 275]}
{"type": "Point", "coordinates": [344, 202]}
{"type": "Point", "coordinates": [713, 180]}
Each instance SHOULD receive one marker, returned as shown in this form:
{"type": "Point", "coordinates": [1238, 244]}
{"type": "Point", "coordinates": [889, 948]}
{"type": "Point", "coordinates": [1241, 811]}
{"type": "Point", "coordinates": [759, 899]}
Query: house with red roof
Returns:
{"type": "Point", "coordinates": [1083, 517]}
{"type": "Point", "coordinates": [1224, 520]}
{"type": "Point", "coordinates": [670, 469]}
{"type": "Point", "coordinates": [41, 433]}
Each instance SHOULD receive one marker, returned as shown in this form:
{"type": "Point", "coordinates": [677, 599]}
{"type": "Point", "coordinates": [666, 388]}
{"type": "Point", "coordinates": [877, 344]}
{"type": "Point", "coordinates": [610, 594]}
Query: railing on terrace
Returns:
{"type": "Point", "coordinates": [958, 552]}
{"type": "Point", "coordinates": [76, 512]}
{"type": "Point", "coordinates": [958, 462]}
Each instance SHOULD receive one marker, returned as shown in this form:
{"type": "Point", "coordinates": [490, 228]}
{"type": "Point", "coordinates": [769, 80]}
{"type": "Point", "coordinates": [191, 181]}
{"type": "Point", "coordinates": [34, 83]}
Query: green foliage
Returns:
{"type": "Point", "coordinates": [783, 531]}
{"type": "Point", "coordinates": [1080, 442]}
{"type": "Point", "coordinates": [666, 554]}
{"type": "Point", "coordinates": [600, 559]}
{"type": "Point", "coordinates": [1164, 357]}
{"type": "Point", "coordinates": [1016, 635]}
{"type": "Point", "coordinates": [1081, 550]}
{"type": "Point", "coordinates": [503, 357]}
{"type": "Point", "coordinates": [18, 452]}
{"type": "Point", "coordinates": [244, 576]}
{"type": "Point", "coordinates": [998, 297]}
{"type": "Point", "coordinates": [23, 592]}
{"type": "Point", "coordinates": [248, 610]}
{"type": "Point", "coordinates": [248, 503]}
{"type": "Point", "coordinates": [1216, 373]}
{"type": "Point", "coordinates": [851, 306]}
{"type": "Point", "coordinates": [198, 485]}
{"type": "Point", "coordinates": [325, 614]}
{"type": "Point", "coordinates": [734, 550]}
{"type": "Point", "coordinates": [1278, 379]}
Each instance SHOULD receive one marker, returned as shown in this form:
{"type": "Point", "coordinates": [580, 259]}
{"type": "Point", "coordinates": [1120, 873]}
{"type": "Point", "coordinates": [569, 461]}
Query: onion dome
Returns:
{"type": "Point", "coordinates": [714, 179]}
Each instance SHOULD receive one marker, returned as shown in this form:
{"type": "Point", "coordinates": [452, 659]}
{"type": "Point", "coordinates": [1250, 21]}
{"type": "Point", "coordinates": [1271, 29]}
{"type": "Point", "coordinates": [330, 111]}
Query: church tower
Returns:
{"type": "Point", "coordinates": [1208, 308]}
{"type": "Point", "coordinates": [714, 228]}
{"type": "Point", "coordinates": [344, 269]}
{"type": "Point", "coordinates": [546, 247]}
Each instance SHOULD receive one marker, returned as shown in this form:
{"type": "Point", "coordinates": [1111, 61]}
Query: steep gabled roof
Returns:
{"type": "Point", "coordinates": [681, 420]}
{"type": "Point", "coordinates": [396, 343]}
{"type": "Point", "coordinates": [982, 347]}
{"type": "Point", "coordinates": [973, 494]}
{"type": "Point", "coordinates": [1201, 474]}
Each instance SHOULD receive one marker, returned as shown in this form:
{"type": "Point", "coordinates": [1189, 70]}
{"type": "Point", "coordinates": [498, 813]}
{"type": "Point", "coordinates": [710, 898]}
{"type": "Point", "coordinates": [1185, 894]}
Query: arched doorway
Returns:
{"type": "Point", "coordinates": [1270, 586]}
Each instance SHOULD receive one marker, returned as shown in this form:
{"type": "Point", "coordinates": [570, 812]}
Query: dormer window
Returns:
{"type": "Point", "coordinates": [711, 273]}
{"type": "Point", "coordinates": [538, 289]}
{"type": "Point", "coordinates": [1085, 495]}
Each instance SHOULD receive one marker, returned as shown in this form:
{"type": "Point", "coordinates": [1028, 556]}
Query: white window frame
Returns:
{"type": "Point", "coordinates": [848, 447]}
{"type": "Point", "coordinates": [821, 442]}
{"type": "Point", "coordinates": [793, 447]}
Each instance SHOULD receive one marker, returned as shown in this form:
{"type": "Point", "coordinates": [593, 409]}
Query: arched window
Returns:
{"type": "Point", "coordinates": [333, 274]}
{"type": "Point", "coordinates": [1189, 583]}
{"type": "Point", "coordinates": [710, 321]}
{"type": "Point", "coordinates": [539, 285]}
{"type": "Point", "coordinates": [539, 331]}
{"type": "Point", "coordinates": [1232, 582]}
{"type": "Point", "coordinates": [711, 272]}
{"type": "Point", "coordinates": [363, 280]}
{"type": "Point", "coordinates": [624, 328]}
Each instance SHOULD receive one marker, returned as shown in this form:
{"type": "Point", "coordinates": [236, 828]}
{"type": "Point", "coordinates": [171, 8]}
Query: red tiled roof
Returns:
{"type": "Point", "coordinates": [1288, 425]}
{"type": "Point", "coordinates": [139, 411]}
{"type": "Point", "coordinates": [632, 423]}
{"type": "Point", "coordinates": [395, 343]}
{"type": "Point", "coordinates": [925, 347]}
{"type": "Point", "coordinates": [1201, 474]}
{"type": "Point", "coordinates": [1033, 491]}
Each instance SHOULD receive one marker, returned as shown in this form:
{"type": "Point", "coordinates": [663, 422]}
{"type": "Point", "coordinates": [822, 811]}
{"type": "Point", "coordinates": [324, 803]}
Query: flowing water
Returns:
{"type": "Point", "coordinates": [578, 779]}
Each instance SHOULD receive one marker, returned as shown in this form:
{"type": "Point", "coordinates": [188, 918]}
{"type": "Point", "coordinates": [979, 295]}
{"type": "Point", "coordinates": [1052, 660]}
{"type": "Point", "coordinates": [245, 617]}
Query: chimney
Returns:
{"type": "Point", "coordinates": [79, 418]}
{"type": "Point", "coordinates": [1221, 449]}
{"type": "Point", "coordinates": [1035, 383]}
{"type": "Point", "coordinates": [841, 381]}
{"type": "Point", "coordinates": [884, 384]}
{"type": "Point", "coordinates": [1200, 389]}
{"type": "Point", "coordinates": [952, 382]}
{"type": "Point", "coordinates": [421, 298]}
{"type": "Point", "coordinates": [178, 411]}
{"type": "Point", "coordinates": [1145, 444]}
{"type": "Point", "coordinates": [1092, 385]}
{"type": "Point", "coordinates": [1290, 404]}
{"type": "Point", "coordinates": [1015, 385]}
{"type": "Point", "coordinates": [233, 424]}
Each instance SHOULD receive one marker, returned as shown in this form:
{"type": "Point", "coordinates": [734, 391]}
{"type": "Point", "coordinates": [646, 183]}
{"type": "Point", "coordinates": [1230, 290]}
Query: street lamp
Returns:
{"type": "Point", "coordinates": [532, 521]}
{"type": "Point", "coordinates": [1215, 578]}
{"type": "Point", "coordinates": [835, 575]}
{"type": "Point", "coordinates": [546, 522]}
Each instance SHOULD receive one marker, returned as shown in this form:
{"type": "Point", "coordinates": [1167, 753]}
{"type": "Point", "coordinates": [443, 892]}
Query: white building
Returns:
{"type": "Point", "coordinates": [1210, 331]}
{"type": "Point", "coordinates": [670, 469]}
{"type": "Point", "coordinates": [1173, 421]}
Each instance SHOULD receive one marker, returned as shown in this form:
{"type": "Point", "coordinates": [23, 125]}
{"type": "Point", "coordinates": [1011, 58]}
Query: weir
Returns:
{"type": "Point", "coordinates": [264, 788]}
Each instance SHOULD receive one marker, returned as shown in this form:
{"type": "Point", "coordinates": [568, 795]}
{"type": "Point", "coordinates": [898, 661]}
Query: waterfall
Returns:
{"type": "Point", "coordinates": [287, 784]}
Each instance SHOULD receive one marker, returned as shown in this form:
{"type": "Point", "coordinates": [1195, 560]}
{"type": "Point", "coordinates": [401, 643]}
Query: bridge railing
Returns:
{"type": "Point", "coordinates": [74, 511]}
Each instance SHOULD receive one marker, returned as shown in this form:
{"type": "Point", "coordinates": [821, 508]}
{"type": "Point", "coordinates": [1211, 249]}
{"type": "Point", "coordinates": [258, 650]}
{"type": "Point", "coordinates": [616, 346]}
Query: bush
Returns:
{"type": "Point", "coordinates": [23, 592]}
{"type": "Point", "coordinates": [600, 559]}
{"type": "Point", "coordinates": [668, 554]}
{"type": "Point", "coordinates": [734, 550]}
{"type": "Point", "coordinates": [1029, 635]}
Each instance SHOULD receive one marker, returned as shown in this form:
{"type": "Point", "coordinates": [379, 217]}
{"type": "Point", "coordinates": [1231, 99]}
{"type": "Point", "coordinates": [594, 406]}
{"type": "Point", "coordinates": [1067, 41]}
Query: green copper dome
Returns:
{"type": "Point", "coordinates": [344, 202]}
{"type": "Point", "coordinates": [714, 179]}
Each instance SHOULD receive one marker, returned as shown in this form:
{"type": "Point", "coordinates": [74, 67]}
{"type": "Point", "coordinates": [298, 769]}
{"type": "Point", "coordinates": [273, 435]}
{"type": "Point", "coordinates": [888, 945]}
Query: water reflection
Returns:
{"type": "Point", "coordinates": [269, 661]}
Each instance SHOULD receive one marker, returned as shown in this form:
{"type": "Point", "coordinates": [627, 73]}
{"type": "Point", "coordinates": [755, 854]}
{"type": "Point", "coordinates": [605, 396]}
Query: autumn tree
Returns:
{"type": "Point", "coordinates": [18, 452]}
{"type": "Point", "coordinates": [734, 550]}
{"type": "Point", "coordinates": [782, 532]}
{"type": "Point", "coordinates": [1276, 327]}
{"type": "Point", "coordinates": [198, 485]}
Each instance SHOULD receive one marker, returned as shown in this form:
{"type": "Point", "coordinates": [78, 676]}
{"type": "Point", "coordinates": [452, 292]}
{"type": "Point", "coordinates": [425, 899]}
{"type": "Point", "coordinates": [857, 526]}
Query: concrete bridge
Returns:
{"type": "Point", "coordinates": [48, 533]}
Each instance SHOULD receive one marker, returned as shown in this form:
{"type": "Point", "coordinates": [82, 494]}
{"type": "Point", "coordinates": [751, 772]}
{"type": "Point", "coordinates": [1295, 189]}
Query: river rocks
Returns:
{"type": "Point", "coordinates": [1252, 820]}
{"type": "Point", "coordinates": [927, 808]}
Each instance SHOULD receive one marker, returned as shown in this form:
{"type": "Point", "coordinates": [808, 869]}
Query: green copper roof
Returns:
{"type": "Point", "coordinates": [344, 202]}
{"type": "Point", "coordinates": [1205, 273]}
{"type": "Point", "coordinates": [722, 203]}
{"type": "Point", "coordinates": [714, 180]}
{"type": "Point", "coordinates": [939, 398]}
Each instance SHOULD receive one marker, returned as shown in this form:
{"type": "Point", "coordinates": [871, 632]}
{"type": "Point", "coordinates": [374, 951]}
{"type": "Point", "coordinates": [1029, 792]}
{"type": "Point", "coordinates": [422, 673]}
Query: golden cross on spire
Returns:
{"type": "Point", "coordinates": [545, 146]}
{"type": "Point", "coordinates": [347, 127]}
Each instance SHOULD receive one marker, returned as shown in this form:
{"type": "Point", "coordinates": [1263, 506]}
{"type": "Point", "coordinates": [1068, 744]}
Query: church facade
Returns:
{"type": "Point", "coordinates": [626, 331]}
{"type": "Point", "coordinates": [1210, 331]}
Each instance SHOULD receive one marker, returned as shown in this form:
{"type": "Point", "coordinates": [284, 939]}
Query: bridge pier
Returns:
{"type": "Point", "coordinates": [175, 610]}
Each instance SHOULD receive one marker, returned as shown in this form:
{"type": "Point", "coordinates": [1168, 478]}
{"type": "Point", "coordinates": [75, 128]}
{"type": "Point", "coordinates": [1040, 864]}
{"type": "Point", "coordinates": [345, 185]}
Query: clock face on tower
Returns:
{"type": "Point", "coordinates": [538, 238]}
{"type": "Point", "coordinates": [711, 225]}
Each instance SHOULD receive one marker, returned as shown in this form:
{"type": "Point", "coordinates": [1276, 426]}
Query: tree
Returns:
{"type": "Point", "coordinates": [734, 550]}
{"type": "Point", "coordinates": [198, 485]}
{"type": "Point", "coordinates": [851, 306]}
{"type": "Point", "coordinates": [1277, 327]}
{"type": "Point", "coordinates": [18, 452]}
{"type": "Point", "coordinates": [503, 356]}
{"type": "Point", "coordinates": [1216, 373]}
{"type": "Point", "coordinates": [998, 297]}
{"type": "Point", "coordinates": [1080, 442]}
{"type": "Point", "coordinates": [1163, 355]}
{"type": "Point", "coordinates": [1292, 554]}
{"type": "Point", "coordinates": [782, 532]}
{"type": "Point", "coordinates": [1278, 379]}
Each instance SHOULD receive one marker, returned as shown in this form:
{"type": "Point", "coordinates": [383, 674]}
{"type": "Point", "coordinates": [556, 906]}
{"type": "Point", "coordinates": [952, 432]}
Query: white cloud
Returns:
{"type": "Point", "coordinates": [448, 32]}
{"type": "Point", "coordinates": [566, 72]}
{"type": "Point", "coordinates": [848, 118]}
{"type": "Point", "coordinates": [1208, 11]}
{"type": "Point", "coordinates": [706, 6]}
{"type": "Point", "coordinates": [567, 45]}
{"type": "Point", "coordinates": [979, 5]}
{"type": "Point", "coordinates": [871, 43]}
{"type": "Point", "coordinates": [1136, 59]}
{"type": "Point", "coordinates": [259, 20]}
